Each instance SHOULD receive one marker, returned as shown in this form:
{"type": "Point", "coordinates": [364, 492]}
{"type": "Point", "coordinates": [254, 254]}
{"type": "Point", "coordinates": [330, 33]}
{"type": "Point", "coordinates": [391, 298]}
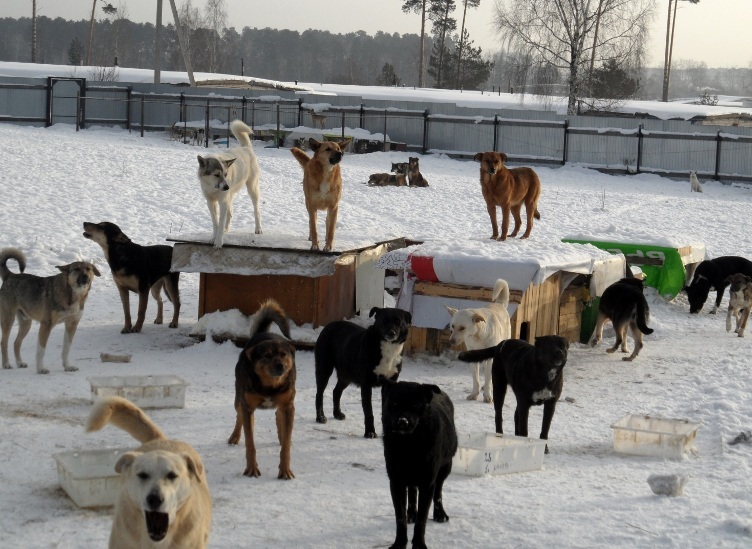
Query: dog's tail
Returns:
{"type": "Point", "coordinates": [126, 415]}
{"type": "Point", "coordinates": [241, 132]}
{"type": "Point", "coordinates": [11, 253]}
{"type": "Point", "coordinates": [478, 355]}
{"type": "Point", "coordinates": [501, 293]}
{"type": "Point", "coordinates": [270, 311]}
{"type": "Point", "coordinates": [300, 156]}
{"type": "Point", "coordinates": [643, 313]}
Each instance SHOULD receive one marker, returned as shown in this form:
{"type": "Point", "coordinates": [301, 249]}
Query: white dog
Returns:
{"type": "Point", "coordinates": [164, 499]}
{"type": "Point", "coordinates": [482, 328]}
{"type": "Point", "coordinates": [223, 174]}
{"type": "Point", "coordinates": [694, 182]}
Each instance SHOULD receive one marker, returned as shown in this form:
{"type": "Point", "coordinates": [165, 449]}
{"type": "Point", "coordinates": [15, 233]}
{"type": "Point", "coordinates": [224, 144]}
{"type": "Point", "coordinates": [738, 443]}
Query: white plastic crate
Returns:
{"type": "Point", "coordinates": [496, 454]}
{"type": "Point", "coordinates": [165, 391]}
{"type": "Point", "coordinates": [89, 477]}
{"type": "Point", "coordinates": [654, 436]}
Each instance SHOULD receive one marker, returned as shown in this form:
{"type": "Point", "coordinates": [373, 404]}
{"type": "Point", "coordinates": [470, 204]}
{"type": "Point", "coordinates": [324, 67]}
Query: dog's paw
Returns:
{"type": "Point", "coordinates": [234, 439]}
{"type": "Point", "coordinates": [595, 342]}
{"type": "Point", "coordinates": [628, 358]}
{"type": "Point", "coordinates": [370, 434]}
{"type": "Point", "coordinates": [259, 231]}
{"type": "Point", "coordinates": [126, 330]}
{"type": "Point", "coordinates": [611, 350]}
{"type": "Point", "coordinates": [740, 334]}
{"type": "Point", "coordinates": [252, 472]}
{"type": "Point", "coordinates": [315, 247]}
{"type": "Point", "coordinates": [21, 365]}
{"type": "Point", "coordinates": [158, 320]}
{"type": "Point", "coordinates": [473, 396]}
{"type": "Point", "coordinates": [7, 366]}
{"type": "Point", "coordinates": [43, 371]}
{"type": "Point", "coordinates": [340, 416]}
{"type": "Point", "coordinates": [173, 324]}
{"type": "Point", "coordinates": [285, 474]}
{"type": "Point", "coordinates": [439, 515]}
{"type": "Point", "coordinates": [70, 368]}
{"type": "Point", "coordinates": [487, 399]}
{"type": "Point", "coordinates": [412, 514]}
{"type": "Point", "coordinates": [398, 545]}
{"type": "Point", "coordinates": [320, 419]}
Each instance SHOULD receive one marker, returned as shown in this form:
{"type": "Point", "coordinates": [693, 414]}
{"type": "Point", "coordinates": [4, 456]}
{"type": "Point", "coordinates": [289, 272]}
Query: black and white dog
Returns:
{"type": "Point", "coordinates": [363, 356]}
{"type": "Point", "coordinates": [712, 273]}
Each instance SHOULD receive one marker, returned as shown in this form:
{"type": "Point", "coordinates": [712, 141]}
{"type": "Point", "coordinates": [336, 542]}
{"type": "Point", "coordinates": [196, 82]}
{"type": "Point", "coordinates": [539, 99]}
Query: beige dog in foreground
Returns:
{"type": "Point", "coordinates": [164, 500]}
{"type": "Point", "coordinates": [322, 185]}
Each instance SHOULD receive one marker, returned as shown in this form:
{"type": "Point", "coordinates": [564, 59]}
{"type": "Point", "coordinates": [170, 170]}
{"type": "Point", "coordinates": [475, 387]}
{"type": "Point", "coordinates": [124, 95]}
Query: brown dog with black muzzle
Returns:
{"type": "Point", "coordinates": [322, 185]}
{"type": "Point", "coordinates": [508, 189]}
{"type": "Point", "coordinates": [265, 378]}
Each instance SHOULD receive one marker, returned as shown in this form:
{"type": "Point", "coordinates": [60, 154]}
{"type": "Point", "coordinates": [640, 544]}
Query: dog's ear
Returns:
{"type": "Point", "coordinates": [429, 391]}
{"type": "Point", "coordinates": [230, 162]}
{"type": "Point", "coordinates": [63, 268]}
{"type": "Point", "coordinates": [452, 311]}
{"type": "Point", "coordinates": [201, 161]}
{"type": "Point", "coordinates": [195, 468]}
{"type": "Point", "coordinates": [96, 271]}
{"type": "Point", "coordinates": [374, 310]}
{"type": "Point", "coordinates": [408, 317]}
{"type": "Point", "coordinates": [503, 157]}
{"type": "Point", "coordinates": [727, 280]}
{"type": "Point", "coordinates": [748, 279]}
{"type": "Point", "coordinates": [477, 318]}
{"type": "Point", "coordinates": [344, 144]}
{"type": "Point", "coordinates": [478, 156]}
{"type": "Point", "coordinates": [314, 144]}
{"type": "Point", "coordinates": [125, 461]}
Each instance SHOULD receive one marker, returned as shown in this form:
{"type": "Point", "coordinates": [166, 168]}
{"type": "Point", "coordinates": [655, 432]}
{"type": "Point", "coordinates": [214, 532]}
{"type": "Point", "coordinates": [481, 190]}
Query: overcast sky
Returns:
{"type": "Point", "coordinates": [714, 31]}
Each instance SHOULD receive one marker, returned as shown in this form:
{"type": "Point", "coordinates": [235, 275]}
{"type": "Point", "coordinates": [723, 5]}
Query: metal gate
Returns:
{"type": "Point", "coordinates": [65, 100]}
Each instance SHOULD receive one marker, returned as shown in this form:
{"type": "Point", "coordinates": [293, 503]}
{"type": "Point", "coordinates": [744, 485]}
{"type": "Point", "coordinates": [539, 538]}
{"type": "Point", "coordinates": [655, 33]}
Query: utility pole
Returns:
{"type": "Point", "coordinates": [158, 45]}
{"type": "Point", "coordinates": [186, 55]}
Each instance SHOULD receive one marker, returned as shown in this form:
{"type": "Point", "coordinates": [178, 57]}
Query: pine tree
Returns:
{"type": "Point", "coordinates": [388, 76]}
{"type": "Point", "coordinates": [75, 52]}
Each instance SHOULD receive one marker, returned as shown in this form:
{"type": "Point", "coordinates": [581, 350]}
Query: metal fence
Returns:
{"type": "Point", "coordinates": [628, 145]}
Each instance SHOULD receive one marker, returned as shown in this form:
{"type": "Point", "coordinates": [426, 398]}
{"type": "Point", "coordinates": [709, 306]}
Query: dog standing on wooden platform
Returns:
{"type": "Point", "coordinates": [164, 499]}
{"type": "Point", "coordinates": [49, 300]}
{"type": "Point", "coordinates": [322, 185]}
{"type": "Point", "coordinates": [509, 190]}
{"type": "Point", "coordinates": [265, 379]}
{"type": "Point", "coordinates": [138, 269]}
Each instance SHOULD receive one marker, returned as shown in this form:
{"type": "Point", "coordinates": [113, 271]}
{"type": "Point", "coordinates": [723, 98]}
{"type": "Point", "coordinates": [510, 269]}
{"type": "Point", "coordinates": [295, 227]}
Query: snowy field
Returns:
{"type": "Point", "coordinates": [585, 496]}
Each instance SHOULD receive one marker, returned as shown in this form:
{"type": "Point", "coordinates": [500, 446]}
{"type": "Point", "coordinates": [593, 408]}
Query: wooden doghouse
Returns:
{"type": "Point", "coordinates": [546, 297]}
{"type": "Point", "coordinates": [312, 287]}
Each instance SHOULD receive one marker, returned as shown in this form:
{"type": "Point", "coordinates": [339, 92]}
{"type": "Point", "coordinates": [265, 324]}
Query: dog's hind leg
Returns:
{"type": "Point", "coordinates": [337, 396]}
{"type": "Point", "coordinates": [6, 323]}
{"type": "Point", "coordinates": [741, 323]}
{"type": "Point", "coordinates": [70, 331]}
{"type": "Point", "coordinates": [24, 325]}
{"type": "Point", "coordinates": [439, 514]}
{"type": "Point", "coordinates": [476, 381]}
{"type": "Point", "coordinates": [499, 394]}
{"type": "Point", "coordinates": [366, 394]}
{"type": "Point", "coordinates": [598, 332]}
{"type": "Point", "coordinates": [254, 193]}
{"type": "Point", "coordinates": [637, 336]}
{"type": "Point", "coordinates": [324, 369]}
{"type": "Point", "coordinates": [171, 282]}
{"type": "Point", "coordinates": [621, 336]}
{"type": "Point", "coordinates": [515, 210]}
{"type": "Point", "coordinates": [143, 301]}
{"type": "Point", "coordinates": [44, 334]}
{"type": "Point", "coordinates": [156, 293]}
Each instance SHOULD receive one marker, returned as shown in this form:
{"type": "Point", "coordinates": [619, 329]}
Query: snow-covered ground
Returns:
{"type": "Point", "coordinates": [585, 496]}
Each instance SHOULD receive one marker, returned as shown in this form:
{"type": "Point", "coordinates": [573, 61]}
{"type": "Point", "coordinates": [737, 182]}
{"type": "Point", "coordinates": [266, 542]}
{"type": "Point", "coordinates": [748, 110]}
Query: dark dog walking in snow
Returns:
{"type": "Point", "coordinates": [533, 371]}
{"type": "Point", "coordinates": [363, 356]}
{"type": "Point", "coordinates": [740, 301]}
{"type": "Point", "coordinates": [419, 443]}
{"type": "Point", "coordinates": [138, 269]}
{"type": "Point", "coordinates": [713, 273]}
{"type": "Point", "coordinates": [625, 305]}
{"type": "Point", "coordinates": [49, 300]}
{"type": "Point", "coordinates": [265, 378]}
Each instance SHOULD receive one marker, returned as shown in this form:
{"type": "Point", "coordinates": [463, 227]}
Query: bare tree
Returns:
{"type": "Point", "coordinates": [561, 33]}
{"type": "Point", "coordinates": [670, 28]}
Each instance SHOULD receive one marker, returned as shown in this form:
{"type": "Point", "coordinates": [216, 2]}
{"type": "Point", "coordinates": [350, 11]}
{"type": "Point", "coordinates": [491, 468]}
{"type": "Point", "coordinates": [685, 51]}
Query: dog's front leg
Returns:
{"type": "Point", "coordinates": [425, 497]}
{"type": "Point", "coordinates": [487, 387]}
{"type": "Point", "coordinates": [504, 221]}
{"type": "Point", "coordinates": [125, 299]}
{"type": "Point", "coordinates": [492, 214]}
{"type": "Point", "coordinates": [44, 333]}
{"type": "Point", "coordinates": [399, 495]}
{"type": "Point", "coordinates": [412, 504]}
{"type": "Point", "coordinates": [365, 394]}
{"type": "Point", "coordinates": [331, 225]}
{"type": "Point", "coordinates": [212, 204]}
{"type": "Point", "coordinates": [285, 416]}
{"type": "Point", "coordinates": [549, 407]}
{"type": "Point", "coordinates": [222, 224]}
{"type": "Point", "coordinates": [741, 326]}
{"type": "Point", "coordinates": [71, 325]}
{"type": "Point", "coordinates": [732, 312]}
{"type": "Point", "coordinates": [520, 419]}
{"type": "Point", "coordinates": [251, 467]}
{"type": "Point", "coordinates": [476, 381]}
{"type": "Point", "coordinates": [143, 301]}
{"type": "Point", "coordinates": [313, 234]}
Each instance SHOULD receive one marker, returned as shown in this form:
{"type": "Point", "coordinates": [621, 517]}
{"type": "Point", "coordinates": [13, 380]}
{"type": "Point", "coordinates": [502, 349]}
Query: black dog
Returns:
{"type": "Point", "coordinates": [363, 356]}
{"type": "Point", "coordinates": [137, 268]}
{"type": "Point", "coordinates": [419, 442]}
{"type": "Point", "coordinates": [625, 305]}
{"type": "Point", "coordinates": [712, 273]}
{"type": "Point", "coordinates": [533, 371]}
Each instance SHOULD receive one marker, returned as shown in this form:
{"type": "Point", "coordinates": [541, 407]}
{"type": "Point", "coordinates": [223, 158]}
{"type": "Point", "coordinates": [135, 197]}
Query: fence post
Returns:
{"type": "Point", "coordinates": [278, 127]}
{"type": "Point", "coordinates": [129, 96]}
{"type": "Point", "coordinates": [182, 107]}
{"type": "Point", "coordinates": [78, 110]}
{"type": "Point", "coordinates": [425, 131]}
{"type": "Point", "coordinates": [206, 125]}
{"type": "Point", "coordinates": [717, 155]}
{"type": "Point", "coordinates": [362, 116]}
{"type": "Point", "coordinates": [343, 125]}
{"type": "Point", "coordinates": [253, 113]}
{"type": "Point", "coordinates": [300, 111]}
{"type": "Point", "coordinates": [141, 123]}
{"type": "Point", "coordinates": [229, 115]}
{"type": "Point", "coordinates": [243, 104]}
{"type": "Point", "coordinates": [566, 142]}
{"type": "Point", "coordinates": [385, 111]}
{"type": "Point", "coordinates": [639, 148]}
{"type": "Point", "coordinates": [496, 133]}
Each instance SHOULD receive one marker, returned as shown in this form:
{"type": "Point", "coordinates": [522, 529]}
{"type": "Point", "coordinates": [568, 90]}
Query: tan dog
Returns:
{"type": "Point", "coordinates": [508, 189]}
{"type": "Point", "coordinates": [49, 300]}
{"type": "Point", "coordinates": [265, 379]}
{"type": "Point", "coordinates": [740, 301]}
{"type": "Point", "coordinates": [164, 500]}
{"type": "Point", "coordinates": [322, 185]}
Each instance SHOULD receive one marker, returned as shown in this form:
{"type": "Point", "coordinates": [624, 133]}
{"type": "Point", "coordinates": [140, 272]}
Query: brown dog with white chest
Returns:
{"type": "Point", "coordinates": [265, 379]}
{"type": "Point", "coordinates": [322, 185]}
{"type": "Point", "coordinates": [509, 190]}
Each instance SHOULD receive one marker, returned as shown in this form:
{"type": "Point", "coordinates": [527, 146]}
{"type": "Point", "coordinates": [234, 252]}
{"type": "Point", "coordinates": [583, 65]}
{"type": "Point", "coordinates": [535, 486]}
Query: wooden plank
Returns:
{"type": "Point", "coordinates": [477, 293]}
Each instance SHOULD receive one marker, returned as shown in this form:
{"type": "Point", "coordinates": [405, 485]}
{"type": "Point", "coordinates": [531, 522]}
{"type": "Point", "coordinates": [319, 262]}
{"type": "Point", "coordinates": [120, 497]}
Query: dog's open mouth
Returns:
{"type": "Point", "coordinates": [157, 524]}
{"type": "Point", "coordinates": [87, 235]}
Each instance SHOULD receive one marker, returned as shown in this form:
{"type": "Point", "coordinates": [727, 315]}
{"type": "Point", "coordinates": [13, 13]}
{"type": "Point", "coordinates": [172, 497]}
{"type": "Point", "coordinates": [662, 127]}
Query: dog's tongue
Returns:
{"type": "Point", "coordinates": [156, 524]}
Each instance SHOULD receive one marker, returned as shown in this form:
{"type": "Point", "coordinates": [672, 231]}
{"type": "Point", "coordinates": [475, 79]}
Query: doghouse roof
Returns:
{"type": "Point", "coordinates": [519, 262]}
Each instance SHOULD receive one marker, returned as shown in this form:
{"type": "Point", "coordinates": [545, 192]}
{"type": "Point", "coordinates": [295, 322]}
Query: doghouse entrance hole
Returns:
{"type": "Point", "coordinates": [524, 331]}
